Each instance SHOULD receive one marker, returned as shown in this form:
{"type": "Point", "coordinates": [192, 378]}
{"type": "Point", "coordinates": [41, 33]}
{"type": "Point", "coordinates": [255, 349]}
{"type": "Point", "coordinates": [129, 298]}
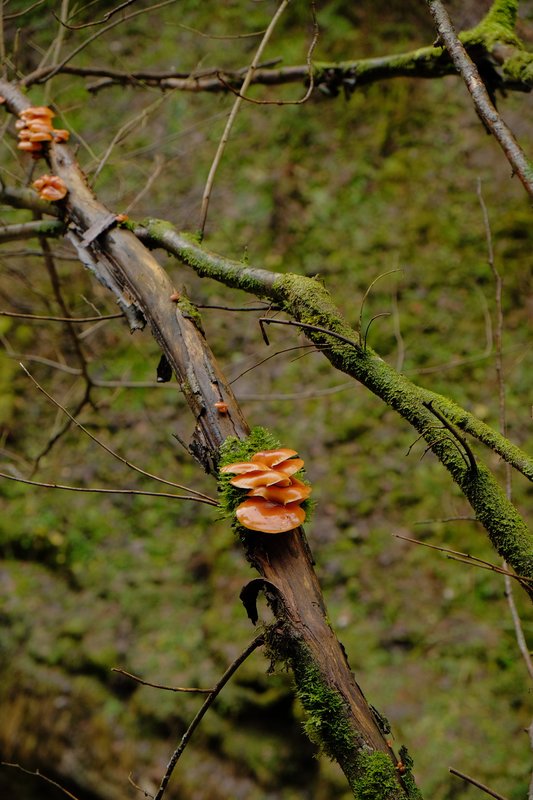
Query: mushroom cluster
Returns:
{"type": "Point", "coordinates": [35, 129]}
{"type": "Point", "coordinates": [275, 496]}
{"type": "Point", "coordinates": [50, 187]}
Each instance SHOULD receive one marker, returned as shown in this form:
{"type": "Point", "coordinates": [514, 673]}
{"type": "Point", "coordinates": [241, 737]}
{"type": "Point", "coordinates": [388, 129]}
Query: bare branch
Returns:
{"type": "Point", "coordinates": [72, 320]}
{"type": "Point", "coordinates": [310, 75]}
{"type": "Point", "coordinates": [94, 490]}
{"type": "Point", "coordinates": [38, 774]}
{"type": "Point", "coordinates": [109, 449]}
{"type": "Point", "coordinates": [160, 685]}
{"type": "Point", "coordinates": [480, 96]}
{"type": "Point", "coordinates": [234, 111]}
{"type": "Point", "coordinates": [44, 74]}
{"type": "Point", "coordinates": [479, 785]}
{"type": "Point", "coordinates": [104, 19]}
{"type": "Point", "coordinates": [254, 644]}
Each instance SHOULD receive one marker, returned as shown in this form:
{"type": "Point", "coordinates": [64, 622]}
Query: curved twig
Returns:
{"type": "Point", "coordinates": [254, 644]}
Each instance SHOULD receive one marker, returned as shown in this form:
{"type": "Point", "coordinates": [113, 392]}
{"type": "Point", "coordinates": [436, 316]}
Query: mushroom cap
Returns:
{"type": "Point", "coordinates": [295, 493]}
{"type": "Point", "coordinates": [258, 514]}
{"type": "Point", "coordinates": [37, 111]}
{"type": "Point", "coordinates": [51, 193]}
{"type": "Point", "coordinates": [30, 147]}
{"type": "Point", "coordinates": [40, 136]}
{"type": "Point", "coordinates": [260, 478]}
{"type": "Point", "coordinates": [290, 466]}
{"type": "Point", "coordinates": [60, 135]}
{"type": "Point", "coordinates": [50, 187]}
{"type": "Point", "coordinates": [244, 466]}
{"type": "Point", "coordinates": [273, 457]}
{"type": "Point", "coordinates": [38, 124]}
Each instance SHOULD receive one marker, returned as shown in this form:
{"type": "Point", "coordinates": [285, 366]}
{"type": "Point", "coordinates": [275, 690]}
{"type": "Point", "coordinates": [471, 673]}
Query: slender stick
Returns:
{"type": "Point", "coordinates": [254, 644]}
{"type": "Point", "coordinates": [234, 111]}
{"type": "Point", "coordinates": [38, 774]}
{"type": "Point", "coordinates": [270, 321]}
{"type": "Point", "coordinates": [479, 785]}
{"type": "Point", "coordinates": [72, 320]}
{"type": "Point", "coordinates": [44, 485]}
{"type": "Point", "coordinates": [160, 685]}
{"type": "Point", "coordinates": [109, 449]}
{"type": "Point", "coordinates": [480, 96]}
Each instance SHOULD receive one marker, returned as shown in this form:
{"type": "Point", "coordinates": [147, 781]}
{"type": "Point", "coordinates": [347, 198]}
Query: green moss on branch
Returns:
{"type": "Point", "coordinates": [372, 774]}
{"type": "Point", "coordinates": [306, 300]}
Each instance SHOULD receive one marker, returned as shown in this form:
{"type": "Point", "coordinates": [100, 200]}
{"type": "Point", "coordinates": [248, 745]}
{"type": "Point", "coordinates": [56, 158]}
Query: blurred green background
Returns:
{"type": "Point", "coordinates": [344, 189]}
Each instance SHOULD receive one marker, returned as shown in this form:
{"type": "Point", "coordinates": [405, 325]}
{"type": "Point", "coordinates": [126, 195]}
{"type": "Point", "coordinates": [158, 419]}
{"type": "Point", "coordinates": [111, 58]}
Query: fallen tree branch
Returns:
{"type": "Point", "coordinates": [302, 637]}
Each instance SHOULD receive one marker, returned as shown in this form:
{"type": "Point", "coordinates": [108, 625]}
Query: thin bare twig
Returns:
{"type": "Point", "coordinates": [56, 46]}
{"type": "Point", "coordinates": [21, 13]}
{"type": "Point", "coordinates": [271, 321]}
{"type": "Point", "coordinates": [480, 96]}
{"type": "Point", "coordinates": [233, 113]}
{"type": "Point", "coordinates": [125, 130]}
{"type": "Point", "coordinates": [45, 73]}
{"type": "Point", "coordinates": [254, 644]}
{"type": "Point", "coordinates": [109, 449]}
{"type": "Point", "coordinates": [479, 785]}
{"type": "Point", "coordinates": [71, 320]}
{"type": "Point", "coordinates": [38, 774]}
{"type": "Point", "coordinates": [465, 558]}
{"type": "Point", "coordinates": [139, 788]}
{"type": "Point", "coordinates": [160, 685]}
{"type": "Point", "coordinates": [376, 316]}
{"type": "Point", "coordinates": [264, 360]}
{"type": "Point", "coordinates": [367, 292]}
{"type": "Point", "coordinates": [311, 77]}
{"type": "Point", "coordinates": [102, 21]}
{"type": "Point", "coordinates": [60, 432]}
{"type": "Point", "coordinates": [498, 341]}
{"type": "Point", "coordinates": [159, 163]}
{"type": "Point", "coordinates": [448, 425]}
{"type": "Point", "coordinates": [95, 490]}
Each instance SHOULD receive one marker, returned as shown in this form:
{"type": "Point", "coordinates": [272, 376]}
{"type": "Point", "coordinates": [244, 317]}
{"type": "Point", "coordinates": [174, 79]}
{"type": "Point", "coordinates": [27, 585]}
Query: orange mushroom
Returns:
{"type": "Point", "coordinates": [274, 500]}
{"type": "Point", "coordinates": [50, 187]}
{"type": "Point", "coordinates": [29, 147]}
{"type": "Point", "coordinates": [62, 135]}
{"type": "Point", "coordinates": [294, 493]}
{"type": "Point", "coordinates": [273, 457]}
{"type": "Point", "coordinates": [37, 111]}
{"type": "Point", "coordinates": [242, 467]}
{"type": "Point", "coordinates": [259, 514]}
{"type": "Point", "coordinates": [221, 407]}
{"type": "Point", "coordinates": [35, 125]}
{"type": "Point", "coordinates": [253, 479]}
{"type": "Point", "coordinates": [39, 136]}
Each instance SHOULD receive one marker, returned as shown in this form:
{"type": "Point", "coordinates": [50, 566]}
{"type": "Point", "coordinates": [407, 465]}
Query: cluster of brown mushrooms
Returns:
{"type": "Point", "coordinates": [275, 496]}
{"type": "Point", "coordinates": [35, 130]}
{"type": "Point", "coordinates": [50, 187]}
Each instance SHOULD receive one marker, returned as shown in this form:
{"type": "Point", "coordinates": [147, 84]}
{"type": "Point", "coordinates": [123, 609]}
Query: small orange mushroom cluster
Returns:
{"type": "Point", "coordinates": [50, 187]}
{"type": "Point", "coordinates": [275, 496]}
{"type": "Point", "coordinates": [36, 129]}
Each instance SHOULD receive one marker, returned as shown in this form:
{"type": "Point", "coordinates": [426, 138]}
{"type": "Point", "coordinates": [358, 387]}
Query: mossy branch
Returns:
{"type": "Point", "coordinates": [29, 230]}
{"type": "Point", "coordinates": [307, 301]}
{"type": "Point", "coordinates": [493, 39]}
